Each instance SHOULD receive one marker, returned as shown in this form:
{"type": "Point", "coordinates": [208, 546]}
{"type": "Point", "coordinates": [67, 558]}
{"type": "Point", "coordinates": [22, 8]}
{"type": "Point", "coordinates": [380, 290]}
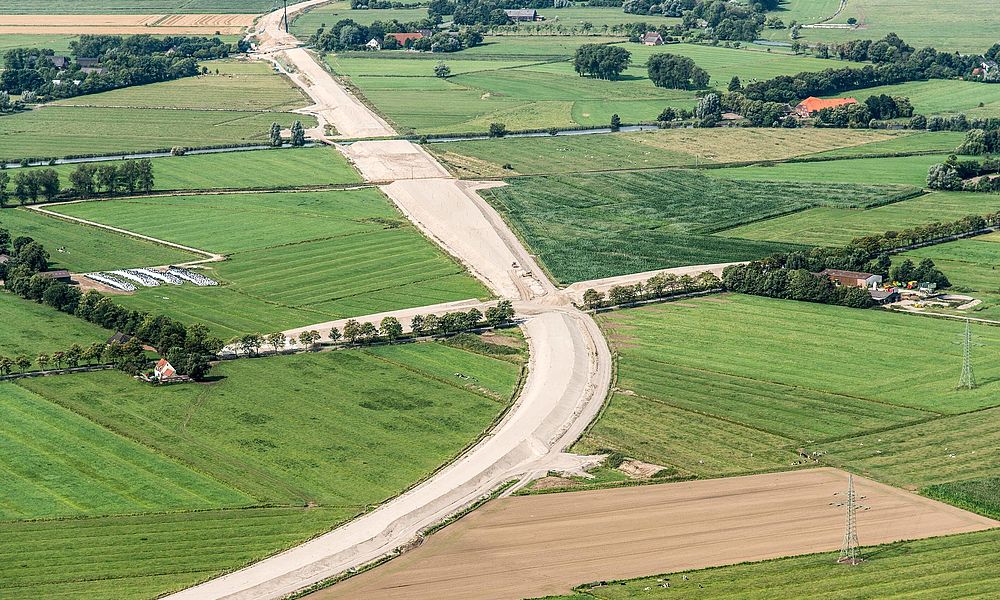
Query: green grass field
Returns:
{"type": "Point", "coordinates": [972, 98]}
{"type": "Point", "coordinates": [308, 22]}
{"type": "Point", "coordinates": [31, 328]}
{"type": "Point", "coordinates": [59, 464]}
{"type": "Point", "coordinates": [572, 19]}
{"type": "Point", "coordinates": [978, 495]}
{"type": "Point", "coordinates": [547, 93]}
{"type": "Point", "coordinates": [957, 26]}
{"type": "Point", "coordinates": [944, 142]}
{"type": "Point", "coordinates": [837, 226]}
{"type": "Point", "coordinates": [57, 131]}
{"type": "Point", "coordinates": [100, 7]}
{"type": "Point", "coordinates": [59, 43]}
{"type": "Point", "coordinates": [239, 86]}
{"type": "Point", "coordinates": [87, 248]}
{"type": "Point", "coordinates": [598, 225]}
{"type": "Point", "coordinates": [293, 258]}
{"type": "Point", "coordinates": [707, 386]}
{"type": "Point", "coordinates": [256, 169]}
{"type": "Point", "coordinates": [338, 431]}
{"type": "Point", "coordinates": [959, 566]}
{"type": "Point", "coordinates": [646, 149]}
{"type": "Point", "coordinates": [907, 170]}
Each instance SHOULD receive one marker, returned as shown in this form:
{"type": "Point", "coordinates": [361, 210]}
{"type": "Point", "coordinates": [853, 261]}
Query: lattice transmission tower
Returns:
{"type": "Point", "coordinates": [968, 379]}
{"type": "Point", "coordinates": [849, 548]}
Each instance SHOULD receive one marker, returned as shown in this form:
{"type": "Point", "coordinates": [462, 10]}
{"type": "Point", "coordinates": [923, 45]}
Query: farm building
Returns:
{"type": "Point", "coordinates": [119, 338]}
{"type": "Point", "coordinates": [4, 259]}
{"type": "Point", "coordinates": [652, 38]}
{"type": "Point", "coordinates": [373, 44]}
{"type": "Point", "coordinates": [812, 104]}
{"type": "Point", "coordinates": [884, 296]}
{"type": "Point", "coordinates": [88, 63]}
{"type": "Point", "coordinates": [402, 38]}
{"type": "Point", "coordinates": [852, 278]}
{"type": "Point", "coordinates": [58, 275]}
{"type": "Point", "coordinates": [59, 62]}
{"type": "Point", "coordinates": [522, 14]}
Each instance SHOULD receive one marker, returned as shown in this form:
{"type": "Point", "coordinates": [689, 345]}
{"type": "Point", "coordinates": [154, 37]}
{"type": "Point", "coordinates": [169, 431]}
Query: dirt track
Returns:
{"type": "Point", "coordinates": [538, 545]}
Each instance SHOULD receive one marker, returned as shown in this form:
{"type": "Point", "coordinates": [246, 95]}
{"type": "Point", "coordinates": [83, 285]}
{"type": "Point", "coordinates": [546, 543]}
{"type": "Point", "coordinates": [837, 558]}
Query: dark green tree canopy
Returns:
{"type": "Point", "coordinates": [677, 72]}
{"type": "Point", "coordinates": [601, 61]}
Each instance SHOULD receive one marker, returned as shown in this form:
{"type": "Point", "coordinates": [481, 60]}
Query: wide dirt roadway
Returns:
{"type": "Point", "coordinates": [525, 547]}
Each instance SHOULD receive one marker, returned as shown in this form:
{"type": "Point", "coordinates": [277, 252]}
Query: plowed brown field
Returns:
{"type": "Point", "coordinates": [537, 545]}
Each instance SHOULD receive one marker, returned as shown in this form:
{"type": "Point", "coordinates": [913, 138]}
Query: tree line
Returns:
{"type": "Point", "coordinates": [389, 329]}
{"type": "Point", "coordinates": [121, 61]}
{"type": "Point", "coordinates": [346, 34]}
{"type": "Point", "coordinates": [33, 185]}
{"type": "Point", "coordinates": [189, 348]}
{"type": "Point", "coordinates": [661, 285]}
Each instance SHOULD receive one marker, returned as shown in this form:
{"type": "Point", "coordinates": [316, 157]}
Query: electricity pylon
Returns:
{"type": "Point", "coordinates": [849, 549]}
{"type": "Point", "coordinates": [968, 379]}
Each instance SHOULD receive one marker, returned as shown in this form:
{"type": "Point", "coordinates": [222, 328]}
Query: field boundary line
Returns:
{"type": "Point", "coordinates": [209, 256]}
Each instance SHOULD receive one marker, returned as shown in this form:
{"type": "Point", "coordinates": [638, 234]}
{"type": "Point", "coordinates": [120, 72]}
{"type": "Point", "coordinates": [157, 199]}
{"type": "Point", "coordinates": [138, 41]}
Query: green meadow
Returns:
{"type": "Point", "coordinates": [170, 486]}
{"type": "Point", "coordinates": [588, 226]}
{"type": "Point", "coordinates": [58, 43]}
{"type": "Point", "coordinates": [905, 170]}
{"type": "Point", "coordinates": [974, 99]}
{"type": "Point", "coordinates": [81, 248]}
{"type": "Point", "coordinates": [292, 258]}
{"type": "Point", "coordinates": [694, 395]}
{"type": "Point", "coordinates": [41, 329]}
{"type": "Point", "coordinates": [256, 169]}
{"type": "Point", "coordinates": [57, 131]}
{"type": "Point", "coordinates": [825, 226]}
{"type": "Point", "coordinates": [230, 84]}
{"type": "Point", "coordinates": [958, 566]}
{"type": "Point", "coordinates": [646, 149]}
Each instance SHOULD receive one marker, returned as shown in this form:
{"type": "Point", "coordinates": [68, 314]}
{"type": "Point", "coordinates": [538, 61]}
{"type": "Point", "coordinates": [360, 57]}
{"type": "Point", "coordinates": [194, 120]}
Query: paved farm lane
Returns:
{"type": "Point", "coordinates": [569, 365]}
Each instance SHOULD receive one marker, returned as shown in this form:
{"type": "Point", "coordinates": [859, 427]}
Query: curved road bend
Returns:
{"type": "Point", "coordinates": [569, 376]}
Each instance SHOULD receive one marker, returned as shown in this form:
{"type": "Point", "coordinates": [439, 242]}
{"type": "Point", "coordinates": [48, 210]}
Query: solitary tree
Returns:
{"type": "Point", "coordinates": [709, 110]}
{"type": "Point", "coordinates": [442, 70]}
{"type": "Point", "coordinates": [616, 122]}
{"type": "Point", "coordinates": [298, 134]}
{"type": "Point", "coordinates": [497, 130]}
{"type": "Point", "coordinates": [735, 85]}
{"type": "Point", "coordinates": [4, 182]}
{"type": "Point", "coordinates": [275, 135]}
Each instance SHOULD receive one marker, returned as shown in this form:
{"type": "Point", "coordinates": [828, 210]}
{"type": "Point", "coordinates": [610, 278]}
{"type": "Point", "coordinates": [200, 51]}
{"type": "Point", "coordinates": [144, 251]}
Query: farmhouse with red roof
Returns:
{"type": "Point", "coordinates": [812, 104]}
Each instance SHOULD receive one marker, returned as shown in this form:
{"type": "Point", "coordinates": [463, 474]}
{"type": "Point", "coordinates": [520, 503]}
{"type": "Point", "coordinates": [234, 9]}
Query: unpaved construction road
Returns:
{"type": "Point", "coordinates": [531, 546]}
{"type": "Point", "coordinates": [569, 376]}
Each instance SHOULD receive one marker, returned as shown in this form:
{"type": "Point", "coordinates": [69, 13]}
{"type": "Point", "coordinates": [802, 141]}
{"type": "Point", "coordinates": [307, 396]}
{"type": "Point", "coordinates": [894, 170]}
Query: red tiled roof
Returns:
{"type": "Point", "coordinates": [402, 37]}
{"type": "Point", "coordinates": [812, 103]}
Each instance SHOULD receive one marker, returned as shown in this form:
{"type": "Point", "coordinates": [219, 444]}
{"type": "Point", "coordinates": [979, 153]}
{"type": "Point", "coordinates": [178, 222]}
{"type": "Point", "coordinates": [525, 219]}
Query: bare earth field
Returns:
{"type": "Point", "coordinates": [207, 24]}
{"type": "Point", "coordinates": [531, 546]}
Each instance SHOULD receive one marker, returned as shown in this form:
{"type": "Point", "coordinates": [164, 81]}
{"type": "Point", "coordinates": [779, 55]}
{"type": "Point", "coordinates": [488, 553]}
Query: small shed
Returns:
{"type": "Point", "coordinates": [884, 296]}
{"type": "Point", "coordinates": [58, 275]}
{"type": "Point", "coordinates": [119, 337]}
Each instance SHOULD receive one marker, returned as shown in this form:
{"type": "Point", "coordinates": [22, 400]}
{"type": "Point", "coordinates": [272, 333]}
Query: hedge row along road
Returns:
{"type": "Point", "coordinates": [569, 369]}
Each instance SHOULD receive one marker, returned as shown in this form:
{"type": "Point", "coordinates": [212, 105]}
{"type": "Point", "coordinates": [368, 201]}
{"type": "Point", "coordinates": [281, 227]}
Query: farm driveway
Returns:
{"type": "Point", "coordinates": [532, 546]}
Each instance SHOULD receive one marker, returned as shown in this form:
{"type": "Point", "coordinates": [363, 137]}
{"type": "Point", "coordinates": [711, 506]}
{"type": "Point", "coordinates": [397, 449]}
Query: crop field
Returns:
{"type": "Point", "coordinates": [380, 420]}
{"type": "Point", "coordinates": [837, 226]}
{"type": "Point", "coordinates": [56, 131]}
{"type": "Point", "coordinates": [944, 142]}
{"type": "Point", "coordinates": [41, 329]}
{"type": "Point", "coordinates": [598, 225]}
{"type": "Point", "coordinates": [711, 407]}
{"type": "Point", "coordinates": [906, 170]}
{"type": "Point", "coordinates": [238, 86]}
{"type": "Point", "coordinates": [978, 495]}
{"type": "Point", "coordinates": [967, 29]}
{"type": "Point", "coordinates": [253, 169]}
{"type": "Point", "coordinates": [306, 24]}
{"type": "Point", "coordinates": [87, 7]}
{"type": "Point", "coordinates": [805, 11]}
{"type": "Point", "coordinates": [293, 258]}
{"type": "Point", "coordinates": [971, 266]}
{"type": "Point", "coordinates": [943, 97]}
{"type": "Point", "coordinates": [87, 248]}
{"type": "Point", "coordinates": [644, 150]}
{"type": "Point", "coordinates": [922, 568]}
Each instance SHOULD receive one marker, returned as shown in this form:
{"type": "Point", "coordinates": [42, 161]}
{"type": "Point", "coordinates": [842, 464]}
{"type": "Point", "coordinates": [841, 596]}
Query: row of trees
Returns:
{"type": "Point", "coordinates": [32, 185]}
{"type": "Point", "coordinates": [128, 357]}
{"type": "Point", "coordinates": [346, 34]}
{"type": "Point", "coordinates": [894, 67]}
{"type": "Point", "coordinates": [661, 285]}
{"type": "Point", "coordinates": [389, 329]}
{"type": "Point", "coordinates": [762, 278]}
{"type": "Point", "coordinates": [981, 141]}
{"type": "Point", "coordinates": [925, 272]}
{"type": "Point", "coordinates": [124, 61]}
